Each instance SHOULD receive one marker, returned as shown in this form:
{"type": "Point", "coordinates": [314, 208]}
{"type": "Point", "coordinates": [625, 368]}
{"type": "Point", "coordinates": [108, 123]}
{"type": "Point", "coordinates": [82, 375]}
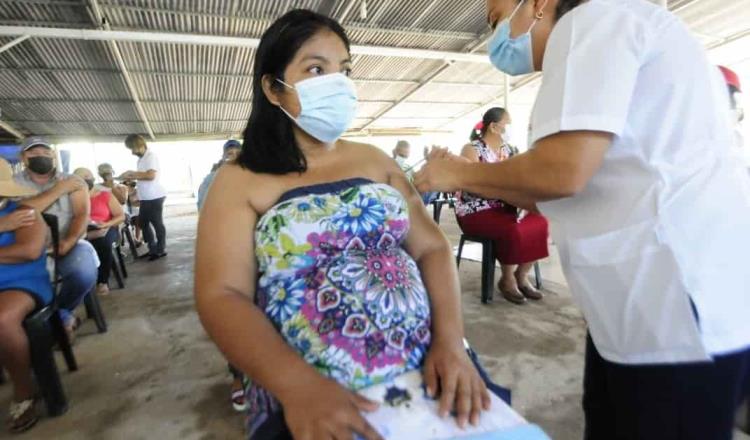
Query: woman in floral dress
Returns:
{"type": "Point", "coordinates": [520, 237]}
{"type": "Point", "coordinates": [318, 270]}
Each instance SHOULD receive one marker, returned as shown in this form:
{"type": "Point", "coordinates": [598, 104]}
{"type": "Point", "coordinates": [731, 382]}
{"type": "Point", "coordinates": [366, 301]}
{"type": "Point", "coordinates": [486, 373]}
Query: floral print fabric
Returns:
{"type": "Point", "coordinates": [338, 285]}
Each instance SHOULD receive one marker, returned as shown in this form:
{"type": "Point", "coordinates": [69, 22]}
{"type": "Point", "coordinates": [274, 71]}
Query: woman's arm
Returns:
{"type": "Point", "coordinates": [118, 215]}
{"type": "Point", "coordinates": [559, 166]}
{"type": "Point", "coordinates": [30, 241]}
{"type": "Point", "coordinates": [447, 367]}
{"type": "Point", "coordinates": [225, 277]}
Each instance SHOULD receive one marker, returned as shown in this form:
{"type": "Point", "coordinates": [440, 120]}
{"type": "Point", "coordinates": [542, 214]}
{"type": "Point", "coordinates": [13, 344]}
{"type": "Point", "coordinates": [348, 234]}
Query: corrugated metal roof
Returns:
{"type": "Point", "coordinates": [75, 87]}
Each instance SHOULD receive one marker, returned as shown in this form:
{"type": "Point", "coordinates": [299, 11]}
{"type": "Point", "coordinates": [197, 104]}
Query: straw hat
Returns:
{"type": "Point", "coordinates": [8, 187]}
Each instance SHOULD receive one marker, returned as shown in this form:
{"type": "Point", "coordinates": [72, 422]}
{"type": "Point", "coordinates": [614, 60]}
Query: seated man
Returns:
{"type": "Point", "coordinates": [24, 286]}
{"type": "Point", "coordinates": [65, 197]}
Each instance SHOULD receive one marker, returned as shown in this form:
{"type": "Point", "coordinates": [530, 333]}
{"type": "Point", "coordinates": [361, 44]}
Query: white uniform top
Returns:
{"type": "Point", "coordinates": [655, 247]}
{"type": "Point", "coordinates": [150, 189]}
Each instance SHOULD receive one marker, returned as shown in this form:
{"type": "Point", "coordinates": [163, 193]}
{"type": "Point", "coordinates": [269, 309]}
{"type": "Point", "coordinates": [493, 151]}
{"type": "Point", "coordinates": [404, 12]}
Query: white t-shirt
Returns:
{"type": "Point", "coordinates": [654, 248]}
{"type": "Point", "coordinates": [150, 189]}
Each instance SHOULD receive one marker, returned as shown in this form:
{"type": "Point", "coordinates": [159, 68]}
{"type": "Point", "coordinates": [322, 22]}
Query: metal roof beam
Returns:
{"type": "Point", "coordinates": [11, 129]}
{"type": "Point", "coordinates": [120, 61]}
{"type": "Point", "coordinates": [13, 43]}
{"type": "Point", "coordinates": [22, 101]}
{"type": "Point", "coordinates": [266, 22]}
{"type": "Point", "coordinates": [430, 78]}
{"type": "Point", "coordinates": [529, 79]}
{"type": "Point", "coordinates": [214, 40]}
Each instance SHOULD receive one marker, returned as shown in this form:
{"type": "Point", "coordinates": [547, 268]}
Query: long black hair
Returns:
{"type": "Point", "coordinates": [495, 114]}
{"type": "Point", "coordinates": [269, 145]}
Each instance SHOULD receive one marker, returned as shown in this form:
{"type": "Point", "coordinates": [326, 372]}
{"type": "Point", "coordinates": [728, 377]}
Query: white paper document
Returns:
{"type": "Point", "coordinates": [407, 413]}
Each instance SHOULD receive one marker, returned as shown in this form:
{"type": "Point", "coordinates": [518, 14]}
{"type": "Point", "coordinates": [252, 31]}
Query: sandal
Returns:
{"type": "Point", "coordinates": [22, 416]}
{"type": "Point", "coordinates": [238, 401]}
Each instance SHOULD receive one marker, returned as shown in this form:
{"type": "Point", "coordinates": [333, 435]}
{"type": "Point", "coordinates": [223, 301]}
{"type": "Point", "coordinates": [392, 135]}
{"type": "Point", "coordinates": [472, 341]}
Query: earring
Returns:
{"type": "Point", "coordinates": [539, 15]}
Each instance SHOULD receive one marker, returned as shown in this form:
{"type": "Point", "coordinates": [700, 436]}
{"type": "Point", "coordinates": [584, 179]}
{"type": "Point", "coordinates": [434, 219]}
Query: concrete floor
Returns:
{"type": "Point", "coordinates": [155, 374]}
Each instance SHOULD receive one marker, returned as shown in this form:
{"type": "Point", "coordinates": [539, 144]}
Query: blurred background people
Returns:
{"type": "Point", "coordinates": [107, 174]}
{"type": "Point", "coordinates": [105, 217]}
{"type": "Point", "coordinates": [734, 87]}
{"type": "Point", "coordinates": [232, 150]}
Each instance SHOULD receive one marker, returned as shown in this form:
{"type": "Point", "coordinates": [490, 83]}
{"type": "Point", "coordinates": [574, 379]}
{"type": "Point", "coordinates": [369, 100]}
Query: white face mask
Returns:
{"type": "Point", "coordinates": [507, 134]}
{"type": "Point", "coordinates": [328, 105]}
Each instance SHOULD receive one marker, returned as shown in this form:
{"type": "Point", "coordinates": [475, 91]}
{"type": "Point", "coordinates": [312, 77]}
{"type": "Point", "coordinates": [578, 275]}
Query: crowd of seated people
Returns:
{"type": "Point", "coordinates": [88, 218]}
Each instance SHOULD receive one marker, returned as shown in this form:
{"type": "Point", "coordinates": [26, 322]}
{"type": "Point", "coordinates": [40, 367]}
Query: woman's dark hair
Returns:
{"type": "Point", "coordinates": [565, 6]}
{"type": "Point", "coordinates": [269, 145]}
{"type": "Point", "coordinates": [495, 114]}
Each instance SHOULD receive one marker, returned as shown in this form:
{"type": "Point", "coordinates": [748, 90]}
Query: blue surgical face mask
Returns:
{"type": "Point", "coordinates": [328, 105]}
{"type": "Point", "coordinates": [511, 55]}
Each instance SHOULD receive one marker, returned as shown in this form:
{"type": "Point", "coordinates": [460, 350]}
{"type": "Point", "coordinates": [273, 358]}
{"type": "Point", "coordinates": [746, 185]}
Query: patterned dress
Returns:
{"type": "Point", "coordinates": [467, 203]}
{"type": "Point", "coordinates": [339, 287]}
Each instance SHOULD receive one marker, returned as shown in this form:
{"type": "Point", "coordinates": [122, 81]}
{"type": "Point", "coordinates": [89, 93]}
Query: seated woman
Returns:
{"type": "Point", "coordinates": [24, 286]}
{"type": "Point", "coordinates": [520, 237]}
{"type": "Point", "coordinates": [106, 214]}
{"type": "Point", "coordinates": [318, 270]}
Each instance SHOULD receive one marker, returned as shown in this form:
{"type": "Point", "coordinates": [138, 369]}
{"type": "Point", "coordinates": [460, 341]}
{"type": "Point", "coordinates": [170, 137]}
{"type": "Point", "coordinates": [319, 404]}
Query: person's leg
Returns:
{"type": "Point", "coordinates": [507, 278]}
{"type": "Point", "coordinates": [146, 217]}
{"type": "Point", "coordinates": [14, 345]}
{"type": "Point", "coordinates": [15, 356]}
{"type": "Point", "coordinates": [103, 247]}
{"type": "Point", "coordinates": [522, 280]}
{"type": "Point", "coordinates": [159, 229]}
{"type": "Point", "coordinates": [78, 272]}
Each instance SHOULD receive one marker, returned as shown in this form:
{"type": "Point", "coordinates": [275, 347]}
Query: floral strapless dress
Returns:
{"type": "Point", "coordinates": [336, 282]}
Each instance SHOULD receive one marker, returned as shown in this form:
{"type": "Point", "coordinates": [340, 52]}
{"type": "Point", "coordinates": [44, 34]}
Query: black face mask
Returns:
{"type": "Point", "coordinates": [41, 164]}
{"type": "Point", "coordinates": [90, 183]}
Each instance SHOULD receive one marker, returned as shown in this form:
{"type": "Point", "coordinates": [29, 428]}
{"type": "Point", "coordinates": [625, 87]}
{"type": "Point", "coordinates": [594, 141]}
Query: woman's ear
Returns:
{"type": "Point", "coordinates": [268, 89]}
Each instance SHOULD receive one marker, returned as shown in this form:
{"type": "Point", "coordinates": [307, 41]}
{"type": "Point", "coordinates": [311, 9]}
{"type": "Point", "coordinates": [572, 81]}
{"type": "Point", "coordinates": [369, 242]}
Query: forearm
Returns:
{"type": "Point", "coordinates": [77, 228]}
{"type": "Point", "coordinates": [439, 274]}
{"type": "Point", "coordinates": [263, 354]}
{"type": "Point", "coordinates": [143, 175]}
{"type": "Point", "coordinates": [42, 201]}
{"type": "Point", "coordinates": [114, 221]}
{"type": "Point", "coordinates": [523, 180]}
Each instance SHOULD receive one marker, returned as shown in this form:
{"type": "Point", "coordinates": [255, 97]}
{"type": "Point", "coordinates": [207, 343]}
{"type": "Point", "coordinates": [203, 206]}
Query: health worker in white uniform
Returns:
{"type": "Point", "coordinates": [632, 165]}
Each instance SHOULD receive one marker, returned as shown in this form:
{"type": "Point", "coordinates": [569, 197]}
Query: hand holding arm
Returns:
{"type": "Point", "coordinates": [30, 241]}
{"type": "Point", "coordinates": [44, 200]}
{"type": "Point", "coordinates": [559, 166]}
{"type": "Point", "coordinates": [17, 219]}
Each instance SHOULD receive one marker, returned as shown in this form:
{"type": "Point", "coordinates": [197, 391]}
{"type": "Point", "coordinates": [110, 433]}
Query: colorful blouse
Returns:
{"type": "Point", "coordinates": [338, 285]}
{"type": "Point", "coordinates": [467, 203]}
